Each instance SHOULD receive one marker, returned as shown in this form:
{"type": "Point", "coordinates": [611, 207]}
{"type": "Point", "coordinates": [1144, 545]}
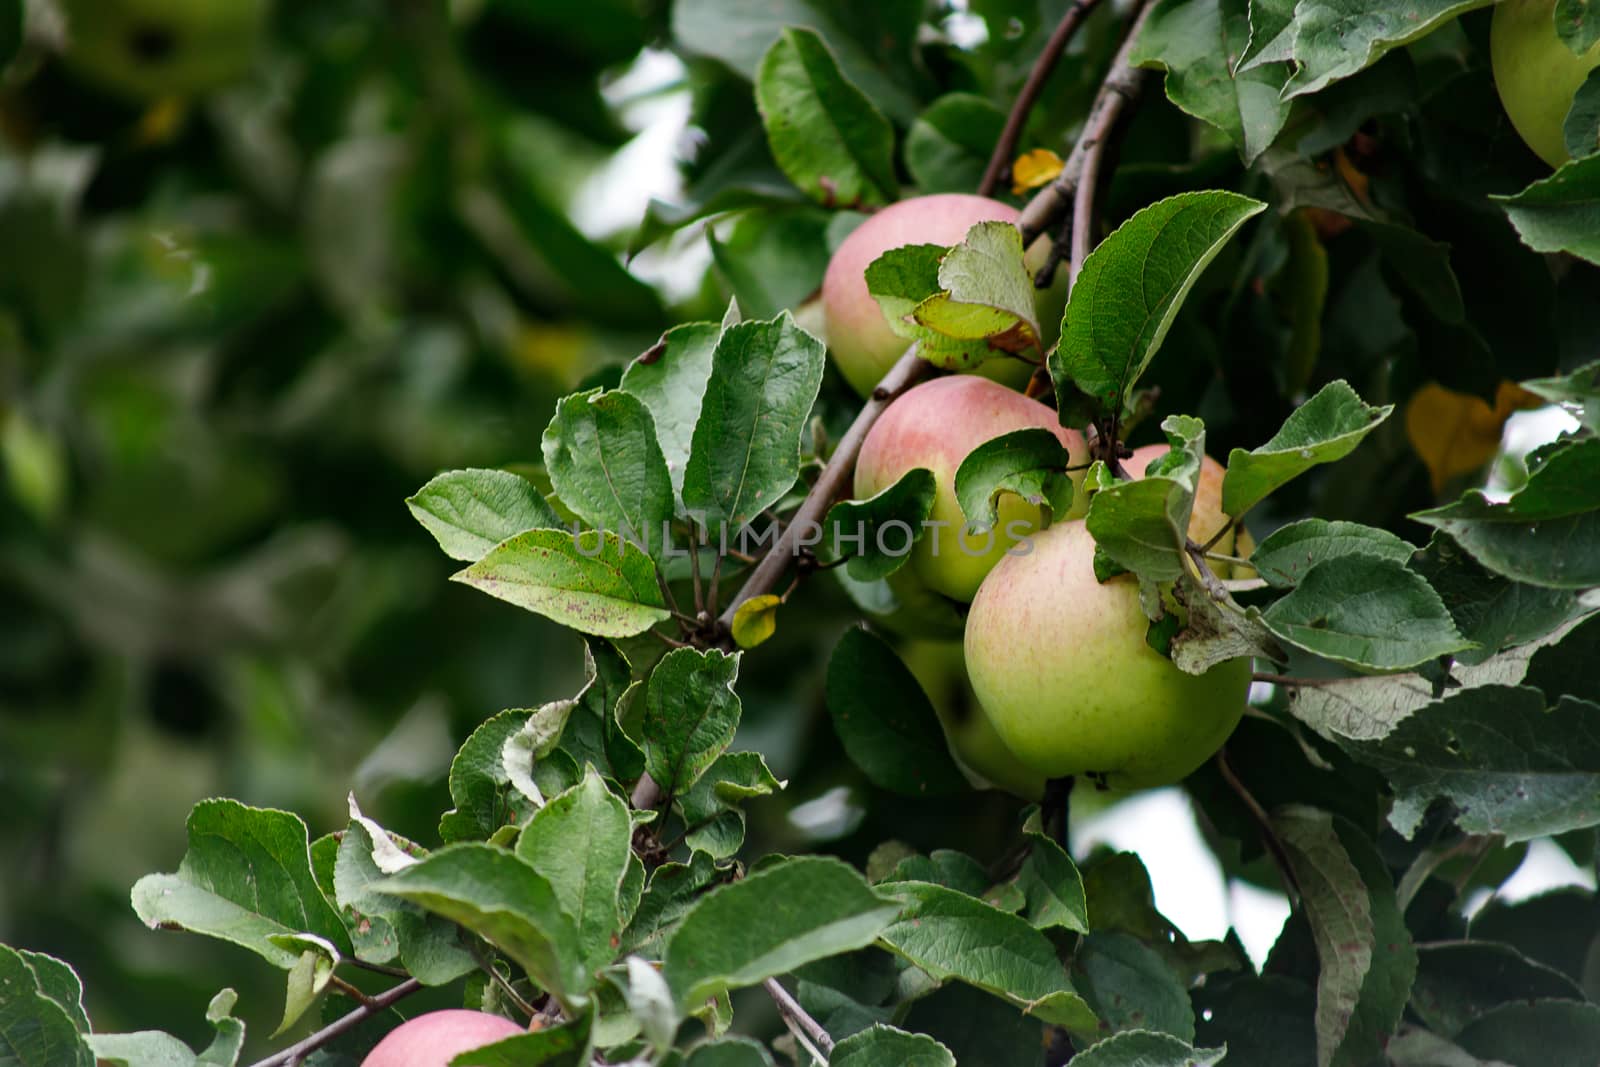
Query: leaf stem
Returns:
{"type": "Point", "coordinates": [381, 1002]}
{"type": "Point", "coordinates": [357, 995]}
{"type": "Point", "coordinates": [1291, 682]}
{"type": "Point", "coordinates": [1000, 160]}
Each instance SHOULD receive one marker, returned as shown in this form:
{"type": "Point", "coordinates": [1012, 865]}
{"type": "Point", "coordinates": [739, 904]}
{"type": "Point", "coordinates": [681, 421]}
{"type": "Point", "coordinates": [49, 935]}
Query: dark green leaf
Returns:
{"type": "Point", "coordinates": [885, 722]}
{"type": "Point", "coordinates": [884, 1046]}
{"type": "Point", "coordinates": [504, 900]}
{"type": "Point", "coordinates": [1547, 534]}
{"type": "Point", "coordinates": [825, 133]}
{"type": "Point", "coordinates": [1561, 213]}
{"type": "Point", "coordinates": [479, 784]}
{"type": "Point", "coordinates": [777, 919]}
{"type": "Point", "coordinates": [35, 1029]}
{"type": "Point", "coordinates": [1555, 1033]}
{"type": "Point", "coordinates": [557, 1046]}
{"type": "Point", "coordinates": [690, 715]}
{"type": "Point", "coordinates": [1143, 1048]}
{"type": "Point", "coordinates": [594, 582]}
{"type": "Point", "coordinates": [470, 511]}
{"type": "Point", "coordinates": [1459, 981]}
{"type": "Point", "coordinates": [1365, 612]}
{"type": "Point", "coordinates": [876, 534]}
{"type": "Point", "coordinates": [773, 258]}
{"type": "Point", "coordinates": [607, 467]}
{"type": "Point", "coordinates": [1131, 287]}
{"type": "Point", "coordinates": [1130, 987]}
{"type": "Point", "coordinates": [729, 1052]}
{"type": "Point", "coordinates": [384, 927]}
{"type": "Point", "coordinates": [1582, 128]}
{"type": "Point", "coordinates": [981, 1030]}
{"type": "Point", "coordinates": [951, 935]}
{"type": "Point", "coordinates": [1291, 551]}
{"type": "Point", "coordinates": [1053, 887]}
{"type": "Point", "coordinates": [1324, 429]}
{"type": "Point", "coordinates": [745, 453]}
{"type": "Point", "coordinates": [1334, 39]}
{"type": "Point", "coordinates": [1496, 613]}
{"type": "Point", "coordinates": [246, 878]}
{"type": "Point", "coordinates": [948, 146]}
{"type": "Point", "coordinates": [1030, 463]}
{"type": "Point", "coordinates": [1578, 24]}
{"type": "Point", "coordinates": [1143, 525]}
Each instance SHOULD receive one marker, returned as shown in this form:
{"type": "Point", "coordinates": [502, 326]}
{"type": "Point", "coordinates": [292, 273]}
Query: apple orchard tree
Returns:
{"type": "Point", "coordinates": [1106, 401]}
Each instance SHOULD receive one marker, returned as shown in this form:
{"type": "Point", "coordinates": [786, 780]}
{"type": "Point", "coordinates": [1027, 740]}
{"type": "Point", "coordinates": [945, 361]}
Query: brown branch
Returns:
{"type": "Point", "coordinates": [1269, 835]}
{"type": "Point", "coordinates": [1122, 87]}
{"type": "Point", "coordinates": [295, 1052]}
{"type": "Point", "coordinates": [797, 1016]}
{"type": "Point", "coordinates": [1043, 67]}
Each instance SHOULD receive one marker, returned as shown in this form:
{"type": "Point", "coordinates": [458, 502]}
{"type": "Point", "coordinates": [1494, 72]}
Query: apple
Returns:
{"type": "Point", "coordinates": [1060, 663]}
{"type": "Point", "coordinates": [935, 425]}
{"type": "Point", "coordinates": [434, 1039]}
{"type": "Point", "coordinates": [1536, 74]}
{"type": "Point", "coordinates": [939, 668]}
{"type": "Point", "coordinates": [156, 48]}
{"type": "Point", "coordinates": [863, 345]}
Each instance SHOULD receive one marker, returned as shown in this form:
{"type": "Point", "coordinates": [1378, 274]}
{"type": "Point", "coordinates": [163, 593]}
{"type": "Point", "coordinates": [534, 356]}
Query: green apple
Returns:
{"type": "Point", "coordinates": [863, 345]}
{"type": "Point", "coordinates": [1536, 73]}
{"type": "Point", "coordinates": [935, 425]}
{"type": "Point", "coordinates": [1060, 663]}
{"type": "Point", "coordinates": [939, 668]}
{"type": "Point", "coordinates": [156, 48]}
{"type": "Point", "coordinates": [436, 1038]}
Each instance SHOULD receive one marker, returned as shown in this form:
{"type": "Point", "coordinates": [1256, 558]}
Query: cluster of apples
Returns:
{"type": "Point", "coordinates": [1062, 680]}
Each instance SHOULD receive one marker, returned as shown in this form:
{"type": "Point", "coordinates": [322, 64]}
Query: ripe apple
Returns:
{"type": "Point", "coordinates": [156, 48]}
{"type": "Point", "coordinates": [434, 1039]}
{"type": "Point", "coordinates": [860, 339]}
{"type": "Point", "coordinates": [935, 425]}
{"type": "Point", "coordinates": [939, 668]}
{"type": "Point", "coordinates": [1536, 73]}
{"type": "Point", "coordinates": [1060, 663]}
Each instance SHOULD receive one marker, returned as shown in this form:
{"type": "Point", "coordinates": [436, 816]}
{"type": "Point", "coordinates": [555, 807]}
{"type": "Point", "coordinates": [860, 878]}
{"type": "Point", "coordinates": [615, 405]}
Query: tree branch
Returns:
{"type": "Point", "coordinates": [1043, 67]}
{"type": "Point", "coordinates": [1269, 835]}
{"type": "Point", "coordinates": [381, 1002]}
{"type": "Point", "coordinates": [796, 1016]}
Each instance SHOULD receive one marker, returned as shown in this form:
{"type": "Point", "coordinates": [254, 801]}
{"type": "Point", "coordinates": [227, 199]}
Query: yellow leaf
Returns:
{"type": "Point", "coordinates": [1034, 169]}
{"type": "Point", "coordinates": [756, 620]}
{"type": "Point", "coordinates": [162, 122]}
{"type": "Point", "coordinates": [1456, 433]}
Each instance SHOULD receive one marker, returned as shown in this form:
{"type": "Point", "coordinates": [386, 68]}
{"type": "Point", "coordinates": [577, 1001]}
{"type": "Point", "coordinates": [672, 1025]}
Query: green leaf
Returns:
{"type": "Point", "coordinates": [885, 722]}
{"type": "Point", "coordinates": [1130, 987]}
{"type": "Point", "coordinates": [1581, 131]}
{"type": "Point", "coordinates": [151, 1048]}
{"type": "Point", "coordinates": [1334, 39]}
{"type": "Point", "coordinates": [1509, 765]}
{"type": "Point", "coordinates": [1578, 24]}
{"type": "Point", "coordinates": [671, 379]}
{"type": "Point", "coordinates": [673, 889]}
{"type": "Point", "coordinates": [1552, 1033]}
{"type": "Point", "coordinates": [1566, 667]}
{"type": "Point", "coordinates": [580, 842]}
{"type": "Point", "coordinates": [36, 1030]}
{"type": "Point", "coordinates": [1144, 1048]}
{"type": "Point", "coordinates": [951, 935]}
{"type": "Point", "coordinates": [947, 148]}
{"type": "Point", "coordinates": [1052, 886]}
{"type": "Point", "coordinates": [690, 715]}
{"type": "Point", "coordinates": [503, 899]}
{"type": "Point", "coordinates": [981, 1030]}
{"type": "Point", "coordinates": [1460, 981]}
{"type": "Point", "coordinates": [556, 1046]}
{"type": "Point", "coordinates": [385, 927]}
{"type": "Point", "coordinates": [1547, 534]}
{"type": "Point", "coordinates": [712, 810]}
{"type": "Point", "coordinates": [1579, 392]}
{"type": "Point", "coordinates": [1495, 612]}
{"type": "Point", "coordinates": [745, 453]}
{"type": "Point", "coordinates": [884, 1046]}
{"type": "Point", "coordinates": [1030, 463]}
{"type": "Point", "coordinates": [780, 917]}
{"type": "Point", "coordinates": [773, 258]}
{"type": "Point", "coordinates": [593, 733]}
{"type": "Point", "coordinates": [470, 511]}
{"type": "Point", "coordinates": [479, 784]}
{"type": "Point", "coordinates": [986, 293]}
{"type": "Point", "coordinates": [593, 582]}
{"type": "Point", "coordinates": [1198, 44]}
{"type": "Point", "coordinates": [1131, 287]}
{"type": "Point", "coordinates": [607, 467]}
{"type": "Point", "coordinates": [10, 31]}
{"type": "Point", "coordinates": [729, 1052]}
{"type": "Point", "coordinates": [1324, 429]}
{"type": "Point", "coordinates": [245, 878]}
{"type": "Point", "coordinates": [1365, 612]}
{"type": "Point", "coordinates": [881, 529]}
{"type": "Point", "coordinates": [1561, 213]}
{"type": "Point", "coordinates": [1368, 960]}
{"type": "Point", "coordinates": [1144, 525]}
{"type": "Point", "coordinates": [58, 981]}
{"type": "Point", "coordinates": [825, 134]}
{"type": "Point", "coordinates": [1291, 551]}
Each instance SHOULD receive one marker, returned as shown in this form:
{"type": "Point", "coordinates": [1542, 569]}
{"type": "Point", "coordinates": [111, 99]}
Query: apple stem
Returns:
{"type": "Point", "coordinates": [999, 167]}
{"type": "Point", "coordinates": [381, 1002]}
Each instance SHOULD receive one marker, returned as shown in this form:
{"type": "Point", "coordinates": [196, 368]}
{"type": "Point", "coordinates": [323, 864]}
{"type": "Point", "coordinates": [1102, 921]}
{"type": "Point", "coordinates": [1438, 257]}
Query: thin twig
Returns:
{"type": "Point", "coordinates": [1122, 87]}
{"type": "Point", "coordinates": [1269, 835]}
{"type": "Point", "coordinates": [694, 571]}
{"type": "Point", "coordinates": [358, 995]}
{"type": "Point", "coordinates": [792, 1012]}
{"type": "Point", "coordinates": [1054, 48]}
{"type": "Point", "coordinates": [1217, 537]}
{"type": "Point", "coordinates": [381, 1002]}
